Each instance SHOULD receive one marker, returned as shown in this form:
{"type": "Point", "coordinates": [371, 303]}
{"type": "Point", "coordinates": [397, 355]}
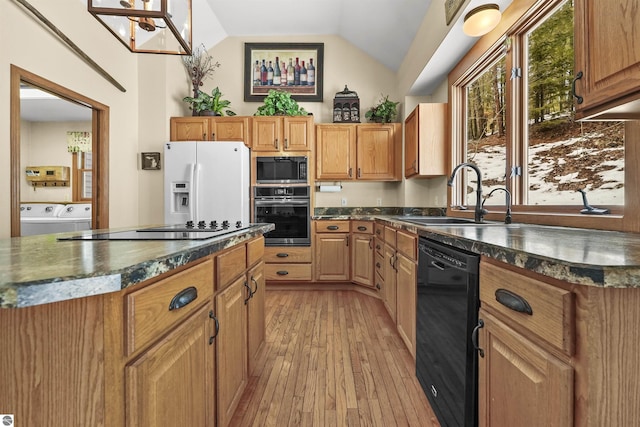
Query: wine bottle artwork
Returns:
{"type": "Point", "coordinates": [294, 68]}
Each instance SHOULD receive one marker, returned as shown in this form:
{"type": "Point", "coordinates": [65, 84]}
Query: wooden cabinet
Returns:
{"type": "Point", "coordinates": [282, 134]}
{"type": "Point", "coordinates": [362, 253]}
{"type": "Point", "coordinates": [174, 379]}
{"type": "Point", "coordinates": [331, 251]}
{"type": "Point", "coordinates": [425, 141]}
{"type": "Point", "coordinates": [256, 332]}
{"type": "Point", "coordinates": [231, 342]}
{"type": "Point", "coordinates": [607, 52]}
{"type": "Point", "coordinates": [389, 279]}
{"type": "Point", "coordinates": [527, 341]}
{"type": "Point", "coordinates": [520, 383]}
{"type": "Point", "coordinates": [406, 296]}
{"type": "Point", "coordinates": [288, 263]}
{"type": "Point", "coordinates": [364, 152]}
{"type": "Point", "coordinates": [210, 128]}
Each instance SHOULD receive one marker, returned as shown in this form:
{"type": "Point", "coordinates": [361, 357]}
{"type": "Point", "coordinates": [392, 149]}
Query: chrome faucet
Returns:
{"type": "Point", "coordinates": [507, 218]}
{"type": "Point", "coordinates": [479, 211]}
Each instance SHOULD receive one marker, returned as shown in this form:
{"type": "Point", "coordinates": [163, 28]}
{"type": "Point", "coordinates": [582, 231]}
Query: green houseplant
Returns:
{"type": "Point", "coordinates": [280, 103]}
{"type": "Point", "coordinates": [383, 112]}
{"type": "Point", "coordinates": [209, 105]}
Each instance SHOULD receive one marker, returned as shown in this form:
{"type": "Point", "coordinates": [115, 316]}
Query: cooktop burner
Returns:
{"type": "Point", "coordinates": [201, 226]}
{"type": "Point", "coordinates": [167, 232]}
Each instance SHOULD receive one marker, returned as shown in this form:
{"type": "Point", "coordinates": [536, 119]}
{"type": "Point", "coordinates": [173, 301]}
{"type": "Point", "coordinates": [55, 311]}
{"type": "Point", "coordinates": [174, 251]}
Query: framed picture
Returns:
{"type": "Point", "coordinates": [292, 67]}
{"type": "Point", "coordinates": [150, 161]}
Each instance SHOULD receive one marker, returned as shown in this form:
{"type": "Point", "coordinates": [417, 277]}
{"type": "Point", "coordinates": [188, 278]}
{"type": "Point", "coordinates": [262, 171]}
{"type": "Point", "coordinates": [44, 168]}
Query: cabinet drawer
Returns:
{"type": "Point", "coordinates": [255, 251]}
{"type": "Point", "coordinates": [341, 226]}
{"type": "Point", "coordinates": [379, 263]}
{"type": "Point", "coordinates": [288, 272]}
{"type": "Point", "coordinates": [362, 227]}
{"type": "Point", "coordinates": [149, 313]}
{"type": "Point", "coordinates": [552, 308]}
{"type": "Point", "coordinates": [378, 229]}
{"type": "Point", "coordinates": [406, 244]}
{"type": "Point", "coordinates": [390, 236]}
{"type": "Point", "coordinates": [287, 254]}
{"type": "Point", "coordinates": [230, 265]}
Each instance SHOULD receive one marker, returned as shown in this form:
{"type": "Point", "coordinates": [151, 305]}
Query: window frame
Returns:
{"type": "Point", "coordinates": [508, 37]}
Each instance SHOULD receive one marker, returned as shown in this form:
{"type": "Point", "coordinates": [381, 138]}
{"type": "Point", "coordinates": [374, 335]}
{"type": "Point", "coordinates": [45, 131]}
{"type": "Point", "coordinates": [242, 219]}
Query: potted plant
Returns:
{"type": "Point", "coordinates": [209, 105]}
{"type": "Point", "coordinates": [383, 112]}
{"type": "Point", "coordinates": [280, 103]}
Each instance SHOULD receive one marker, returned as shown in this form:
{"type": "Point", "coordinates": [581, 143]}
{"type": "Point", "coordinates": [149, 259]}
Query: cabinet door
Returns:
{"type": "Point", "coordinates": [376, 149]}
{"type": "Point", "coordinates": [255, 314]}
{"type": "Point", "coordinates": [520, 383]}
{"type": "Point", "coordinates": [406, 289]}
{"type": "Point", "coordinates": [424, 141]}
{"type": "Point", "coordinates": [174, 379]}
{"type": "Point", "coordinates": [266, 134]}
{"type": "Point", "coordinates": [298, 133]}
{"type": "Point", "coordinates": [190, 128]}
{"type": "Point", "coordinates": [335, 152]}
{"type": "Point", "coordinates": [608, 54]}
{"type": "Point", "coordinates": [389, 288]}
{"type": "Point", "coordinates": [332, 257]}
{"type": "Point", "coordinates": [362, 255]}
{"type": "Point", "coordinates": [234, 128]}
{"type": "Point", "coordinates": [231, 348]}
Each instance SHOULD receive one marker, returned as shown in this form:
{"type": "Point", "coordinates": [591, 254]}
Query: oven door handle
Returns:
{"type": "Point", "coordinates": [262, 202]}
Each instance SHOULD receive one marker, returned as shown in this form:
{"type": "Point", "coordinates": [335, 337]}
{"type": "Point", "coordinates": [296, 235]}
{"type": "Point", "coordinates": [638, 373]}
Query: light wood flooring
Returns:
{"type": "Point", "coordinates": [332, 358]}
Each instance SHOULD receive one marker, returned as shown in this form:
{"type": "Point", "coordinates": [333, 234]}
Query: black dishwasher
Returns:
{"type": "Point", "coordinates": [447, 312]}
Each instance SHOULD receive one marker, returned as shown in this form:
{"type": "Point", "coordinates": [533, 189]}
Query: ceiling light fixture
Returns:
{"type": "Point", "coordinates": [481, 20]}
{"type": "Point", "coordinates": [147, 28]}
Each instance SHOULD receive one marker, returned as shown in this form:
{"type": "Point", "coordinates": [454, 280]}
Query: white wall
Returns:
{"type": "Point", "coordinates": [27, 44]}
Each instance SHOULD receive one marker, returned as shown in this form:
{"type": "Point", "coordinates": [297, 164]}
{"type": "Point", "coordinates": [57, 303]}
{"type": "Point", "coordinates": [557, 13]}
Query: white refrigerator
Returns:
{"type": "Point", "coordinates": [206, 181]}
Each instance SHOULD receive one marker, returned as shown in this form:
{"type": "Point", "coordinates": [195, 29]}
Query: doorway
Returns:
{"type": "Point", "coordinates": [100, 146]}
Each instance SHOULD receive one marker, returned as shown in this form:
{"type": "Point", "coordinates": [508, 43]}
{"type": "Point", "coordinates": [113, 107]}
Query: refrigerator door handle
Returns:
{"type": "Point", "coordinates": [193, 174]}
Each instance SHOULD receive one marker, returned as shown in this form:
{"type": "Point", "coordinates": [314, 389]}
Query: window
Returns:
{"type": "Point", "coordinates": [513, 117]}
{"type": "Point", "coordinates": [82, 177]}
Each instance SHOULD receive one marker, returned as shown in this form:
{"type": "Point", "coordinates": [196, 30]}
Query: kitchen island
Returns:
{"type": "Point", "coordinates": [110, 333]}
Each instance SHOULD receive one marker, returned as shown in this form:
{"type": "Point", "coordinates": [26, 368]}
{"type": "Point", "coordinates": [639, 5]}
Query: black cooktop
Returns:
{"type": "Point", "coordinates": [168, 232]}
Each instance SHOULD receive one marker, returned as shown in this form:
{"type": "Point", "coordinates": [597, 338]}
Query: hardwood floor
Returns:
{"type": "Point", "coordinates": [332, 358]}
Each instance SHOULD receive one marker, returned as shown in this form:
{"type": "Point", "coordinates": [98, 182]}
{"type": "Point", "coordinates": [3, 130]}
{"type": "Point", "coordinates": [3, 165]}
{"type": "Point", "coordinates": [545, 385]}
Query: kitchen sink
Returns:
{"type": "Point", "coordinates": [443, 220]}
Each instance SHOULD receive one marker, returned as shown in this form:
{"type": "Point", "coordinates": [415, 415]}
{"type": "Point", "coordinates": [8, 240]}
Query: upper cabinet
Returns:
{"type": "Point", "coordinates": [278, 134]}
{"type": "Point", "coordinates": [210, 128]}
{"type": "Point", "coordinates": [607, 57]}
{"type": "Point", "coordinates": [363, 152]}
{"type": "Point", "coordinates": [425, 141]}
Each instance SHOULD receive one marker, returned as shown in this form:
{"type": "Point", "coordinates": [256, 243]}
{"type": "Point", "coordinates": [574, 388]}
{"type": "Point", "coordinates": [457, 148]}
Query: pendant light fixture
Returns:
{"type": "Point", "coordinates": [147, 26]}
{"type": "Point", "coordinates": [481, 20]}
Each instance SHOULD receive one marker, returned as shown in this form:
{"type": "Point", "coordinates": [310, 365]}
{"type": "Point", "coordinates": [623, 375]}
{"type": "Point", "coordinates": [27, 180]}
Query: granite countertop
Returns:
{"type": "Point", "coordinates": [581, 256]}
{"type": "Point", "coordinates": [40, 269]}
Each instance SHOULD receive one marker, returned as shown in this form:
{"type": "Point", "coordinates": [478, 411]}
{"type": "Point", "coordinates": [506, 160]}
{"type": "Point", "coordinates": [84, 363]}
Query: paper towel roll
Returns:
{"type": "Point", "coordinates": [330, 188]}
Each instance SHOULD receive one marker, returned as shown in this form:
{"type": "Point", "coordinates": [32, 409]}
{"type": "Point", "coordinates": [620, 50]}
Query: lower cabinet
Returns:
{"type": "Point", "coordinates": [256, 327]}
{"type": "Point", "coordinates": [231, 341]}
{"type": "Point", "coordinates": [174, 379]}
{"type": "Point", "coordinates": [406, 300]}
{"type": "Point", "coordinates": [362, 253]}
{"type": "Point", "coordinates": [389, 280]}
{"type": "Point", "coordinates": [288, 263]}
{"type": "Point", "coordinates": [331, 251]}
{"type": "Point", "coordinates": [520, 383]}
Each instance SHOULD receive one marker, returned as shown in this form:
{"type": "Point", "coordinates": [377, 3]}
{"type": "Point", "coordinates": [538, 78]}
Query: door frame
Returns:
{"type": "Point", "coordinates": [100, 146]}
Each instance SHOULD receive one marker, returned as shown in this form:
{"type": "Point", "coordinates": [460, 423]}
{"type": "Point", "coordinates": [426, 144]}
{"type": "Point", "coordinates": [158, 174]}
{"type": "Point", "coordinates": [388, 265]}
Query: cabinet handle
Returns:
{"type": "Point", "coordinates": [362, 228]}
{"type": "Point", "coordinates": [413, 165]}
{"type": "Point", "coordinates": [578, 98]}
{"type": "Point", "coordinates": [332, 227]}
{"type": "Point", "coordinates": [183, 298]}
{"type": "Point", "coordinates": [204, 136]}
{"type": "Point", "coordinates": [282, 272]}
{"type": "Point", "coordinates": [350, 172]}
{"type": "Point", "coordinates": [347, 238]}
{"type": "Point", "coordinates": [513, 301]}
{"type": "Point", "coordinates": [213, 136]}
{"type": "Point", "coordinates": [246, 285]}
{"type": "Point", "coordinates": [282, 255]}
{"type": "Point", "coordinates": [256, 283]}
{"type": "Point", "coordinates": [378, 286]}
{"type": "Point", "coordinates": [277, 145]}
{"type": "Point", "coordinates": [378, 232]}
{"type": "Point", "coordinates": [359, 173]}
{"type": "Point", "coordinates": [370, 243]}
{"type": "Point", "coordinates": [286, 143]}
{"type": "Point", "coordinates": [474, 337]}
{"type": "Point", "coordinates": [212, 316]}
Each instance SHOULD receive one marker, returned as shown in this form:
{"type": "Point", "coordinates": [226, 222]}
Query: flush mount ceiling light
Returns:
{"type": "Point", "coordinates": [147, 26]}
{"type": "Point", "coordinates": [481, 20]}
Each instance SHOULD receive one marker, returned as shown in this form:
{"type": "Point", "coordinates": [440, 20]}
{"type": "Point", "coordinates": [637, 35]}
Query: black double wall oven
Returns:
{"type": "Point", "coordinates": [282, 196]}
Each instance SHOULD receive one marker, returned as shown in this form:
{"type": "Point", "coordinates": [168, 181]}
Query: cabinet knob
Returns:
{"type": "Point", "coordinates": [213, 136]}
